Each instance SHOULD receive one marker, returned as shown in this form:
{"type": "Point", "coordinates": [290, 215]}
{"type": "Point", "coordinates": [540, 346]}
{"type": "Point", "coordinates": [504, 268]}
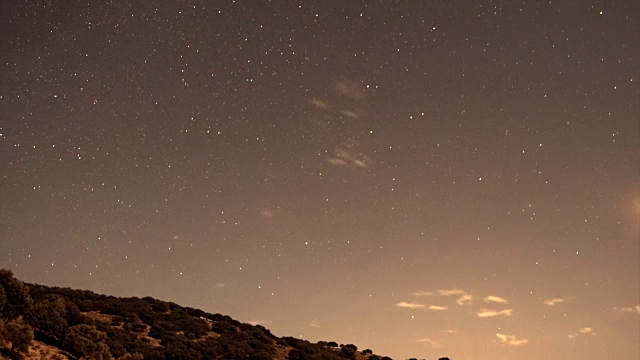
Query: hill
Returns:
{"type": "Point", "coordinates": [42, 322]}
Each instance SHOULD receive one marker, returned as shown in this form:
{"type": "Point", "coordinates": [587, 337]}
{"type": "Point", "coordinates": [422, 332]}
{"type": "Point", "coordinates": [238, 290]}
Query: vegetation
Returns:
{"type": "Point", "coordinates": [85, 325]}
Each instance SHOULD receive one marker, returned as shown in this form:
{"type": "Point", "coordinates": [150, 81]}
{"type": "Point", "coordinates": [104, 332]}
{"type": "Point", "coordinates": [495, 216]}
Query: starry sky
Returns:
{"type": "Point", "coordinates": [422, 178]}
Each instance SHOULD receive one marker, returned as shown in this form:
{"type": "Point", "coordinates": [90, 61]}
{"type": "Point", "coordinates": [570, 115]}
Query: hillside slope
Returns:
{"type": "Point", "coordinates": [41, 322]}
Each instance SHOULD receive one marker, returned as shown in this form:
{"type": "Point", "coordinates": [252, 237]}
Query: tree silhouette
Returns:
{"type": "Point", "coordinates": [88, 342]}
{"type": "Point", "coordinates": [16, 293]}
{"type": "Point", "coordinates": [18, 333]}
{"type": "Point", "coordinates": [49, 317]}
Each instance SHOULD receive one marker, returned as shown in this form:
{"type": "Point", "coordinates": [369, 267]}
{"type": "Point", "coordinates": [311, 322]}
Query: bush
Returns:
{"type": "Point", "coordinates": [48, 317]}
{"type": "Point", "coordinates": [16, 294]}
{"type": "Point", "coordinates": [87, 341]}
{"type": "Point", "coordinates": [348, 352]}
{"type": "Point", "coordinates": [18, 333]}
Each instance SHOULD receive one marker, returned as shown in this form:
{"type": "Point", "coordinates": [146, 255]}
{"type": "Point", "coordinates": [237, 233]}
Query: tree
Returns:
{"type": "Point", "coordinates": [18, 333]}
{"type": "Point", "coordinates": [444, 358]}
{"type": "Point", "coordinates": [296, 354]}
{"type": "Point", "coordinates": [87, 341]}
{"type": "Point", "coordinates": [129, 356]}
{"type": "Point", "coordinates": [3, 299]}
{"type": "Point", "coordinates": [348, 351]}
{"type": "Point", "coordinates": [17, 298]}
{"type": "Point", "coordinates": [48, 317]}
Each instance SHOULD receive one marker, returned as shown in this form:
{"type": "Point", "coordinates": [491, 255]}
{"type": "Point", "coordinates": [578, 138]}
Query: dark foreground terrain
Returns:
{"type": "Point", "coordinates": [41, 322]}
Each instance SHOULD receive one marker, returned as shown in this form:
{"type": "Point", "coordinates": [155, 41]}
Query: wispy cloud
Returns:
{"type": "Point", "coordinates": [450, 292]}
{"type": "Point", "coordinates": [631, 309]}
{"type": "Point", "coordinates": [495, 299]}
{"type": "Point", "coordinates": [259, 322]}
{"type": "Point", "coordinates": [485, 313]}
{"type": "Point", "coordinates": [583, 331]}
{"type": "Point", "coordinates": [465, 299]}
{"type": "Point", "coordinates": [314, 323]}
{"type": "Point", "coordinates": [346, 156]}
{"type": "Point", "coordinates": [408, 305]}
{"type": "Point", "coordinates": [350, 89]}
{"type": "Point", "coordinates": [437, 308]}
{"type": "Point", "coordinates": [553, 302]}
{"type": "Point", "coordinates": [320, 103]}
{"type": "Point", "coordinates": [450, 331]}
{"type": "Point", "coordinates": [430, 342]}
{"type": "Point", "coordinates": [511, 340]}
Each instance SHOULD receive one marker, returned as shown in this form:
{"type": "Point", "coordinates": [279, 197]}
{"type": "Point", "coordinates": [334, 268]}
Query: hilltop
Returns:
{"type": "Point", "coordinates": [42, 322]}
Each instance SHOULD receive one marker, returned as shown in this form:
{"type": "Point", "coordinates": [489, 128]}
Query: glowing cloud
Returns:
{"type": "Point", "coordinates": [495, 299]}
{"type": "Point", "coordinates": [259, 322]}
{"type": "Point", "coordinates": [430, 342]}
{"type": "Point", "coordinates": [437, 308]}
{"type": "Point", "coordinates": [485, 313]}
{"type": "Point", "coordinates": [631, 309]}
{"type": "Point", "coordinates": [407, 305]}
{"type": "Point", "coordinates": [450, 292]}
{"type": "Point", "coordinates": [511, 340]}
{"type": "Point", "coordinates": [583, 331]}
{"type": "Point", "coordinates": [553, 302]}
{"type": "Point", "coordinates": [465, 299]}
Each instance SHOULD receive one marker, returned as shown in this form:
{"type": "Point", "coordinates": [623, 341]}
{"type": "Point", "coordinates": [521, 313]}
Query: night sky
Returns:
{"type": "Point", "coordinates": [421, 178]}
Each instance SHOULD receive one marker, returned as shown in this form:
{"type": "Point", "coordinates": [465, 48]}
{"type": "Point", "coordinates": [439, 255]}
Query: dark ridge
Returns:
{"type": "Point", "coordinates": [43, 322]}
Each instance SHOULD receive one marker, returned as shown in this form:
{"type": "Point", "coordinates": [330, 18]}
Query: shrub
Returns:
{"type": "Point", "coordinates": [18, 333]}
{"type": "Point", "coordinates": [87, 341]}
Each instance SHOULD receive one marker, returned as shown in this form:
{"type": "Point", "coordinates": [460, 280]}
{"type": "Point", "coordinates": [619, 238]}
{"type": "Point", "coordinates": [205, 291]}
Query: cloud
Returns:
{"type": "Point", "coordinates": [430, 342]}
{"type": "Point", "coordinates": [511, 340]}
{"type": "Point", "coordinates": [319, 103]}
{"type": "Point", "coordinates": [350, 89]}
{"type": "Point", "coordinates": [485, 313]}
{"type": "Point", "coordinates": [450, 331]}
{"type": "Point", "coordinates": [345, 156]}
{"type": "Point", "coordinates": [553, 302]}
{"type": "Point", "coordinates": [465, 299]}
{"type": "Point", "coordinates": [219, 285]}
{"type": "Point", "coordinates": [259, 322]}
{"type": "Point", "coordinates": [583, 331]}
{"type": "Point", "coordinates": [350, 113]}
{"type": "Point", "coordinates": [268, 213]}
{"type": "Point", "coordinates": [495, 299]}
{"type": "Point", "coordinates": [450, 292]}
{"type": "Point", "coordinates": [314, 323]}
{"type": "Point", "coordinates": [407, 305]}
{"type": "Point", "coordinates": [437, 308]}
{"type": "Point", "coordinates": [336, 161]}
{"type": "Point", "coordinates": [631, 309]}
